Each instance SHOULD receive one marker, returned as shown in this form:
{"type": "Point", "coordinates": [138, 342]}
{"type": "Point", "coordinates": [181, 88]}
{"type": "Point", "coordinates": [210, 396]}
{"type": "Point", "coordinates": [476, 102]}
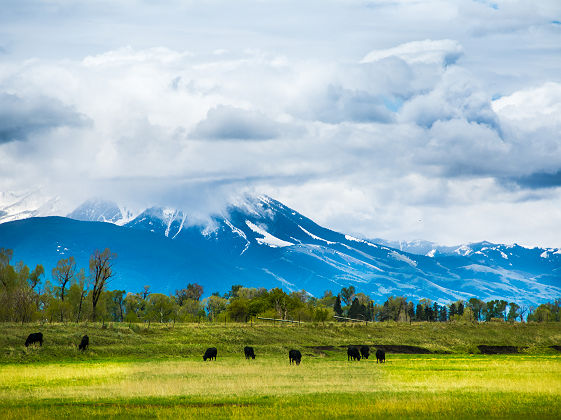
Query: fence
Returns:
{"type": "Point", "coordinates": [280, 320]}
{"type": "Point", "coordinates": [350, 319]}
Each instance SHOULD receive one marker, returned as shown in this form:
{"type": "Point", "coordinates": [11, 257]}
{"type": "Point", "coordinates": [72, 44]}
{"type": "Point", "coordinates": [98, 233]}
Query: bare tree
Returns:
{"type": "Point", "coordinates": [101, 270]}
{"type": "Point", "coordinates": [522, 311]}
{"type": "Point", "coordinates": [63, 273]}
{"type": "Point", "coordinates": [145, 292]}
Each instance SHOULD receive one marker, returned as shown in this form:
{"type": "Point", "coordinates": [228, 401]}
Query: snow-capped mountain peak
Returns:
{"type": "Point", "coordinates": [258, 241]}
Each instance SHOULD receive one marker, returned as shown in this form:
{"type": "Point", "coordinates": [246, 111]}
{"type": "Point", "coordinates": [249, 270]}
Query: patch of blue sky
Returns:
{"type": "Point", "coordinates": [393, 104]}
{"type": "Point", "coordinates": [488, 3]}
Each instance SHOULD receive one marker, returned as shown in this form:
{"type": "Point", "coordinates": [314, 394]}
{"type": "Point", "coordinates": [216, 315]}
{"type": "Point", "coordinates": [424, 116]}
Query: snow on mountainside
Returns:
{"type": "Point", "coordinates": [97, 211]}
{"type": "Point", "coordinates": [482, 251]}
{"type": "Point", "coordinates": [15, 206]}
{"type": "Point", "coordinates": [260, 242]}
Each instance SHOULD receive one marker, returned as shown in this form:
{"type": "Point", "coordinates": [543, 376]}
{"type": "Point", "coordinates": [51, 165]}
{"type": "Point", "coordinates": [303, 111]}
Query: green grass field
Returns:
{"type": "Point", "coordinates": [159, 372]}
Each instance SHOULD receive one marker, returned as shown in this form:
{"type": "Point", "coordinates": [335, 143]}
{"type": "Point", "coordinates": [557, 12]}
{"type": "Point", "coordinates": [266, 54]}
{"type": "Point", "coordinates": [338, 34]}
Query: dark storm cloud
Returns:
{"type": "Point", "coordinates": [539, 180]}
{"type": "Point", "coordinates": [230, 123]}
{"type": "Point", "coordinates": [21, 117]}
{"type": "Point", "coordinates": [337, 104]}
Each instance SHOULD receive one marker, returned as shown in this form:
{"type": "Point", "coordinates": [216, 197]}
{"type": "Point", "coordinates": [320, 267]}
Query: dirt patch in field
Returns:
{"type": "Point", "coordinates": [558, 348]}
{"type": "Point", "coordinates": [321, 349]}
{"type": "Point", "coordinates": [498, 349]}
{"type": "Point", "coordinates": [395, 348]}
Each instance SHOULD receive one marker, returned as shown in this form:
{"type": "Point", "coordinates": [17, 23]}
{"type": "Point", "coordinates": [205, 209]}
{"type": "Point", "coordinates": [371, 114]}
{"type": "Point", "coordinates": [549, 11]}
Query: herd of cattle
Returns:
{"type": "Point", "coordinates": [354, 353]}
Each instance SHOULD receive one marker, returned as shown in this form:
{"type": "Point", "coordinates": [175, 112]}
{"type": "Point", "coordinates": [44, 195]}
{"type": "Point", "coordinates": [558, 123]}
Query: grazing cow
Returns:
{"type": "Point", "coordinates": [84, 343]}
{"type": "Point", "coordinates": [210, 354]}
{"type": "Point", "coordinates": [365, 351]}
{"type": "Point", "coordinates": [380, 356]}
{"type": "Point", "coordinates": [248, 351]}
{"type": "Point", "coordinates": [34, 338]}
{"type": "Point", "coordinates": [353, 353]}
{"type": "Point", "coordinates": [295, 356]}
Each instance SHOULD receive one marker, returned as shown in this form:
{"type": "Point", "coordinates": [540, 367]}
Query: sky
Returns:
{"type": "Point", "coordinates": [434, 120]}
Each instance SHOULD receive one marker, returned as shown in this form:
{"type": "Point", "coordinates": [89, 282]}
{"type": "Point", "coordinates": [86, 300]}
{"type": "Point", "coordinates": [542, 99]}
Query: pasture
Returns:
{"type": "Point", "coordinates": [160, 373]}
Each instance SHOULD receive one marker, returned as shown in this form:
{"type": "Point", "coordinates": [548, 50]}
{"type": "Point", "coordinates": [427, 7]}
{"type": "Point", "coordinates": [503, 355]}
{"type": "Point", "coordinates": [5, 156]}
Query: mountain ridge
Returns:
{"type": "Point", "coordinates": [263, 243]}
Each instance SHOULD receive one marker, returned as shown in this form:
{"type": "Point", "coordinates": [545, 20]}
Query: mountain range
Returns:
{"type": "Point", "coordinates": [259, 242]}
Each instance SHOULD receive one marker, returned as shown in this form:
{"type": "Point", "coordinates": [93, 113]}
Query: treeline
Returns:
{"type": "Point", "coordinates": [70, 294]}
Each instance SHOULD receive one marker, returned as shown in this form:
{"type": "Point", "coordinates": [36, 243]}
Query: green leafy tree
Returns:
{"type": "Point", "coordinates": [234, 291]}
{"type": "Point", "coordinates": [160, 308]}
{"type": "Point", "coordinates": [477, 306]}
{"type": "Point", "coordinates": [322, 314]}
{"type": "Point", "coordinates": [35, 276]}
{"type": "Point", "coordinates": [347, 294]}
{"type": "Point", "coordinates": [134, 305]}
{"type": "Point", "coordinates": [394, 309]}
{"type": "Point", "coordinates": [541, 314]}
{"type": "Point", "coordinates": [77, 294]}
{"type": "Point", "coordinates": [279, 302]}
{"type": "Point", "coordinates": [194, 291]}
{"type": "Point", "coordinates": [215, 305]}
{"type": "Point", "coordinates": [115, 305]}
{"type": "Point", "coordinates": [238, 309]}
{"type": "Point", "coordinates": [513, 312]}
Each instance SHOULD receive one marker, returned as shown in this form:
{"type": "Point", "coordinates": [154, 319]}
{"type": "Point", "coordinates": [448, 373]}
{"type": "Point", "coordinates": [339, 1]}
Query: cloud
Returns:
{"type": "Point", "coordinates": [442, 52]}
{"type": "Point", "coordinates": [532, 107]}
{"type": "Point", "coordinates": [409, 111]}
{"type": "Point", "coordinates": [230, 123]}
{"type": "Point", "coordinates": [540, 180]}
{"type": "Point", "coordinates": [336, 104]}
{"type": "Point", "coordinates": [456, 95]}
{"type": "Point", "coordinates": [507, 16]}
{"type": "Point", "coordinates": [21, 117]}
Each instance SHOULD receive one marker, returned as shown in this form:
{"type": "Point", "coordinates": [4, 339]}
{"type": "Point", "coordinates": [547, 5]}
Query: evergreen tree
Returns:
{"type": "Point", "coordinates": [411, 311]}
{"type": "Point", "coordinates": [337, 306]}
{"type": "Point", "coordinates": [442, 315]}
{"type": "Point", "coordinates": [355, 309]}
{"type": "Point", "coordinates": [420, 313]}
{"type": "Point", "coordinates": [453, 311]}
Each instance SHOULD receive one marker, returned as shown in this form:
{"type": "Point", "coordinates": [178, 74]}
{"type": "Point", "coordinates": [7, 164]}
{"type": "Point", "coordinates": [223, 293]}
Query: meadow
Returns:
{"type": "Point", "coordinates": [159, 372]}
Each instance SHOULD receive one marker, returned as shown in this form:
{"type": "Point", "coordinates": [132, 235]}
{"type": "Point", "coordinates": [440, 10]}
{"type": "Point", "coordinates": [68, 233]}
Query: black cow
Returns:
{"type": "Point", "coordinates": [210, 353]}
{"type": "Point", "coordinates": [34, 338]}
{"type": "Point", "coordinates": [380, 356]}
{"type": "Point", "coordinates": [248, 351]}
{"type": "Point", "coordinates": [365, 351]}
{"type": "Point", "coordinates": [84, 343]}
{"type": "Point", "coordinates": [353, 353]}
{"type": "Point", "coordinates": [295, 356]}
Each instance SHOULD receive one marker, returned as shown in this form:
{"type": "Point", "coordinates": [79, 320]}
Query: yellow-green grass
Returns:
{"type": "Point", "coordinates": [164, 342]}
{"type": "Point", "coordinates": [323, 386]}
{"type": "Point", "coordinates": [158, 371]}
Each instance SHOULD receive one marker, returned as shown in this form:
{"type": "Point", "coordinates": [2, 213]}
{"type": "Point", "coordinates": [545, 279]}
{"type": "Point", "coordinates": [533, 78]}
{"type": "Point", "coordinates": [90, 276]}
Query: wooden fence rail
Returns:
{"type": "Point", "coordinates": [280, 320]}
{"type": "Point", "coordinates": [351, 319]}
